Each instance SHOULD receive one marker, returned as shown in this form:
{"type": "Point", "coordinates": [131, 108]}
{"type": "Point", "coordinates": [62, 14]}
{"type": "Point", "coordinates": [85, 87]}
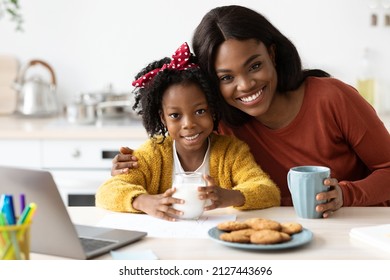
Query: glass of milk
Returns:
{"type": "Point", "coordinates": [186, 185]}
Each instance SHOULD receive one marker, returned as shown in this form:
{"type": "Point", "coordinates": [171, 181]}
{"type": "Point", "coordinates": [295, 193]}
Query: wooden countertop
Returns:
{"type": "Point", "coordinates": [18, 127]}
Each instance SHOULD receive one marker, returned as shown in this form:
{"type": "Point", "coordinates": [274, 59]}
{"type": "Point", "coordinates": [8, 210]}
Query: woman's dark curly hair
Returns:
{"type": "Point", "coordinates": [148, 99]}
{"type": "Point", "coordinates": [241, 23]}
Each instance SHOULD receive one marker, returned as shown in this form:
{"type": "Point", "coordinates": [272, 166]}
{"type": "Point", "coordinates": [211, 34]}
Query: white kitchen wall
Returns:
{"type": "Point", "coordinates": [92, 43]}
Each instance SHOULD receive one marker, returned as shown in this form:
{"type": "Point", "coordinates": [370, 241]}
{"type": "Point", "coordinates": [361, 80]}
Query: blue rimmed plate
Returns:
{"type": "Point", "coordinates": [298, 239]}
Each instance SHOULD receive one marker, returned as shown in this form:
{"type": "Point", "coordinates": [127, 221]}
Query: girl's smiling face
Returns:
{"type": "Point", "coordinates": [247, 75]}
{"type": "Point", "coordinates": [186, 114]}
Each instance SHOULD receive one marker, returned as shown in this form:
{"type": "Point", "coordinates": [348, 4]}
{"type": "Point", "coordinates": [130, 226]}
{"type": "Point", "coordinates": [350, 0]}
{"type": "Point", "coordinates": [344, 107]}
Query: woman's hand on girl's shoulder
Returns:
{"type": "Point", "coordinates": [123, 162]}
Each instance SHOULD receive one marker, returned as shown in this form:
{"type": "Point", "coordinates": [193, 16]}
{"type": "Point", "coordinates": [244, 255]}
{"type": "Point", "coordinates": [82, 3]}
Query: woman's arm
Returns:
{"type": "Point", "coordinates": [369, 139]}
{"type": "Point", "coordinates": [124, 161]}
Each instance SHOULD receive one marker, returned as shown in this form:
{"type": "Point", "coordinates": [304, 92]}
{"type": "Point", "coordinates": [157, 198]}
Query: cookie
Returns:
{"type": "Point", "coordinates": [291, 228]}
{"type": "Point", "coordinates": [259, 224]}
{"type": "Point", "coordinates": [258, 231]}
{"type": "Point", "coordinates": [267, 236]}
{"type": "Point", "coordinates": [285, 236]}
{"type": "Point", "coordinates": [232, 225]}
{"type": "Point", "coordinates": [239, 236]}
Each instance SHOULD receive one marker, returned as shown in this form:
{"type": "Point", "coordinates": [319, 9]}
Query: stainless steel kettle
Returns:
{"type": "Point", "coordinates": [36, 97]}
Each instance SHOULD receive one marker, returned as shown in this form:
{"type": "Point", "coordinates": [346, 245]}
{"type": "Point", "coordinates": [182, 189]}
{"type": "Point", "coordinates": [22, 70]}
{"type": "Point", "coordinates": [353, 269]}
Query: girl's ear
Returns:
{"type": "Point", "coordinates": [162, 118]}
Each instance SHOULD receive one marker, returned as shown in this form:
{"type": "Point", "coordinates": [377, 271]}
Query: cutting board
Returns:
{"type": "Point", "coordinates": [8, 98]}
{"type": "Point", "coordinates": [9, 69]}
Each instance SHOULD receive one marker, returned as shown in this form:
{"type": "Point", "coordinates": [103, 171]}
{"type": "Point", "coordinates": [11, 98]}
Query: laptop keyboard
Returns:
{"type": "Point", "coordinates": [94, 244]}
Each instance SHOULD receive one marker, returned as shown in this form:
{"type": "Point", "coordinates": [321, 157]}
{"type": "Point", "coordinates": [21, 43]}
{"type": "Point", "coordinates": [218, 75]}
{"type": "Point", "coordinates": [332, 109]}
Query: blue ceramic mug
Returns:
{"type": "Point", "coordinates": [304, 183]}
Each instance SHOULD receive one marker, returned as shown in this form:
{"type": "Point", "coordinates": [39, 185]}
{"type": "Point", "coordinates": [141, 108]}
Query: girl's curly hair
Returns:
{"type": "Point", "coordinates": [148, 99]}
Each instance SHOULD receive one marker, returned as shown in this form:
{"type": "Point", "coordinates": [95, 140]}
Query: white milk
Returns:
{"type": "Point", "coordinates": [187, 189]}
{"type": "Point", "coordinates": [193, 206]}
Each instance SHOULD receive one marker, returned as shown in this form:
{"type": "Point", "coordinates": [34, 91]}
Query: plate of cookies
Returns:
{"type": "Point", "coordinates": [260, 234]}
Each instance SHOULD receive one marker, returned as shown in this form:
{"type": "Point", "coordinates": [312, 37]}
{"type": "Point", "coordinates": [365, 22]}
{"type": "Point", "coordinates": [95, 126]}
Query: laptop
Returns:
{"type": "Point", "coordinates": [52, 231]}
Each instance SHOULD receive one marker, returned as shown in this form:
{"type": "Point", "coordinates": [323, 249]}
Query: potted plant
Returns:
{"type": "Point", "coordinates": [12, 9]}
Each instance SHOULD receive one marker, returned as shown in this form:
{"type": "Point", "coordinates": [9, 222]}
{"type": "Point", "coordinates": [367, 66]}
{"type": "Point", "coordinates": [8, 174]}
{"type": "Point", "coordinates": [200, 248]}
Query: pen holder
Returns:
{"type": "Point", "coordinates": [15, 242]}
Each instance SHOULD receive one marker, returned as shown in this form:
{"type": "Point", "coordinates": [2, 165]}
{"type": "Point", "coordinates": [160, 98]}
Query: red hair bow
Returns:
{"type": "Point", "coordinates": [180, 61]}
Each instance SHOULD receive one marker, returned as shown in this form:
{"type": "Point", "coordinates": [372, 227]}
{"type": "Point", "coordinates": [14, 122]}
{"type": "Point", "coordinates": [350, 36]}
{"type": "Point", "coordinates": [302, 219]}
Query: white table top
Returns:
{"type": "Point", "coordinates": [331, 239]}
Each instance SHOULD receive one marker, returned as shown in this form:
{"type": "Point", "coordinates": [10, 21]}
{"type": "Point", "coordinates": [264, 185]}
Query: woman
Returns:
{"type": "Point", "coordinates": [290, 116]}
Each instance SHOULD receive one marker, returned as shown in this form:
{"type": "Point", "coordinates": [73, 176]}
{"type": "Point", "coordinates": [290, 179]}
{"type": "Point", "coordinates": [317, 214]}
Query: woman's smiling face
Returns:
{"type": "Point", "coordinates": [247, 75]}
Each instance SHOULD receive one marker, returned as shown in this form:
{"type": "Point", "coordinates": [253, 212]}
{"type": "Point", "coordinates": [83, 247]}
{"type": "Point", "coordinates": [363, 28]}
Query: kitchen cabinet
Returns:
{"type": "Point", "coordinates": [81, 154]}
{"type": "Point", "coordinates": [78, 157]}
{"type": "Point", "coordinates": [81, 166]}
{"type": "Point", "coordinates": [17, 152]}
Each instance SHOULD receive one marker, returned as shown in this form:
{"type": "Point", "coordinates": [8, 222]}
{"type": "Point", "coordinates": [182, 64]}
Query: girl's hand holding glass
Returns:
{"type": "Point", "coordinates": [219, 197]}
{"type": "Point", "coordinates": [159, 205]}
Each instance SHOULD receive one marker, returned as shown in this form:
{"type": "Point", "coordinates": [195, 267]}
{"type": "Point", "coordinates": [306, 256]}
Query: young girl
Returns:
{"type": "Point", "coordinates": [179, 113]}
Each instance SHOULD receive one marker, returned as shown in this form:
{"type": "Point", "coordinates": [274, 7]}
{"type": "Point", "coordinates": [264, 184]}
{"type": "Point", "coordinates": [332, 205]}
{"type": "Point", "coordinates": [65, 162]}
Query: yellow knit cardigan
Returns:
{"type": "Point", "coordinates": [231, 165]}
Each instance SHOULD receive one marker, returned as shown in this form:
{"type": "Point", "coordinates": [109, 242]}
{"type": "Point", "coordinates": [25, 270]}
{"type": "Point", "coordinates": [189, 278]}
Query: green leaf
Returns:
{"type": "Point", "coordinates": [13, 9]}
{"type": "Point", "coordinates": [15, 2]}
{"type": "Point", "coordinates": [12, 12]}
